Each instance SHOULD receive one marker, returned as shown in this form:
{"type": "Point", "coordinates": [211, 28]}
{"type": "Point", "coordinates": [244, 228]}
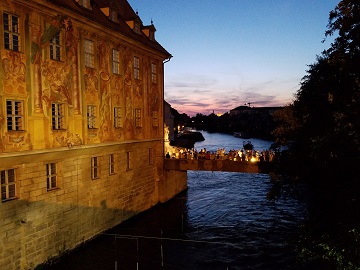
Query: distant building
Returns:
{"type": "Point", "coordinates": [253, 121]}
{"type": "Point", "coordinates": [81, 124]}
{"type": "Point", "coordinates": [169, 121]}
{"type": "Point", "coordinates": [246, 110]}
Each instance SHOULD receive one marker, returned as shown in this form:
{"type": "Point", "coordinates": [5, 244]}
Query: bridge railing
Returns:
{"type": "Point", "coordinates": [218, 165]}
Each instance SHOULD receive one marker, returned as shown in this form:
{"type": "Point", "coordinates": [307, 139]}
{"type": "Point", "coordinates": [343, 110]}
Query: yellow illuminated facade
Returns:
{"type": "Point", "coordinates": [81, 124]}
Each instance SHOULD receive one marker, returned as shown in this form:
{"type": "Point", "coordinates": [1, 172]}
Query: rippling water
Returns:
{"type": "Point", "coordinates": [223, 221]}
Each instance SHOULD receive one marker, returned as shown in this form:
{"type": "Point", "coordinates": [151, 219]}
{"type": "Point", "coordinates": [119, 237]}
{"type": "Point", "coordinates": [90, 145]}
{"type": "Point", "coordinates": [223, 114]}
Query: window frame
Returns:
{"type": "Point", "coordinates": [89, 53]}
{"type": "Point", "coordinates": [136, 67]}
{"type": "Point", "coordinates": [128, 160]}
{"type": "Point", "coordinates": [16, 118]}
{"type": "Point", "coordinates": [85, 4]}
{"type": "Point", "coordinates": [137, 117]}
{"type": "Point", "coordinates": [117, 117]}
{"type": "Point", "coordinates": [150, 156]}
{"type": "Point", "coordinates": [12, 33]}
{"type": "Point", "coordinates": [116, 68]}
{"type": "Point", "coordinates": [51, 176]}
{"type": "Point", "coordinates": [155, 118]}
{"type": "Point", "coordinates": [6, 184]}
{"type": "Point", "coordinates": [58, 120]}
{"type": "Point", "coordinates": [111, 164]}
{"type": "Point", "coordinates": [91, 116]}
{"type": "Point", "coordinates": [55, 47]}
{"type": "Point", "coordinates": [153, 73]}
{"type": "Point", "coordinates": [95, 168]}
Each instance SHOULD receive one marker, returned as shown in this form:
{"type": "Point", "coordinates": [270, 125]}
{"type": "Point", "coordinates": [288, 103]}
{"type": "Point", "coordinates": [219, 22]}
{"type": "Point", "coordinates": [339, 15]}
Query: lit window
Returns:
{"type": "Point", "coordinates": [89, 53]}
{"type": "Point", "coordinates": [55, 48]}
{"type": "Point", "coordinates": [51, 176]}
{"type": "Point", "coordinates": [111, 164]}
{"type": "Point", "coordinates": [137, 118]}
{"type": "Point", "coordinates": [116, 62]}
{"type": "Point", "coordinates": [128, 161]}
{"type": "Point", "coordinates": [153, 73]}
{"type": "Point", "coordinates": [15, 115]}
{"type": "Point", "coordinates": [11, 32]}
{"type": "Point", "coordinates": [117, 117]}
{"type": "Point", "coordinates": [91, 116]}
{"type": "Point", "coordinates": [94, 168]}
{"type": "Point", "coordinates": [136, 68]}
{"type": "Point", "coordinates": [155, 120]}
{"type": "Point", "coordinates": [7, 185]}
{"type": "Point", "coordinates": [57, 116]}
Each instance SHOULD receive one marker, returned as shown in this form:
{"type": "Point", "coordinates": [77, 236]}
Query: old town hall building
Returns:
{"type": "Point", "coordinates": [81, 124]}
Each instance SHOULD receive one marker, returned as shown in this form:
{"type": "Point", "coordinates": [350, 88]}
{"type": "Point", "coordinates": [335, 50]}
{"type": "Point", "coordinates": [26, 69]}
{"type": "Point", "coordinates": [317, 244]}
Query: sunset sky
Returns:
{"type": "Point", "coordinates": [230, 52]}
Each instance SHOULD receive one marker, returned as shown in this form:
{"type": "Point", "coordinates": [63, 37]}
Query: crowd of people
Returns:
{"type": "Point", "coordinates": [235, 155]}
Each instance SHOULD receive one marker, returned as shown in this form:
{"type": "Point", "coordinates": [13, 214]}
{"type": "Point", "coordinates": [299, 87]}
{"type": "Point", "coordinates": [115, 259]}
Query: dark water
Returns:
{"type": "Point", "coordinates": [223, 221]}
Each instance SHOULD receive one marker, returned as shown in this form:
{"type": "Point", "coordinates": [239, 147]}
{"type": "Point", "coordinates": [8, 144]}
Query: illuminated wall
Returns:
{"type": "Point", "coordinates": [81, 124]}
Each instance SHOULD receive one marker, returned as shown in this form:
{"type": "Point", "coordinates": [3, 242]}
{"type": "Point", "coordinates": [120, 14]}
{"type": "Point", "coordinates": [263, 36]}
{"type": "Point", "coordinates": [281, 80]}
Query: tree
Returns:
{"type": "Point", "coordinates": [327, 109]}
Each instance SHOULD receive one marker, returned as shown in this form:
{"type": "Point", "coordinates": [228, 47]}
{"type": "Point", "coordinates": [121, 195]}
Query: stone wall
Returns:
{"type": "Point", "coordinates": [41, 223]}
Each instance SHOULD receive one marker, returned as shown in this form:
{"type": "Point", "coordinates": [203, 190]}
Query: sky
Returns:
{"type": "Point", "coordinates": [228, 53]}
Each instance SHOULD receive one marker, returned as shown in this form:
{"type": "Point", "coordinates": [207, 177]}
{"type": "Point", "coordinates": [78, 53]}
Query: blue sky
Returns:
{"type": "Point", "coordinates": [230, 52]}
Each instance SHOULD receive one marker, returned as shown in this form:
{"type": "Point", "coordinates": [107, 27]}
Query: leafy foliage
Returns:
{"type": "Point", "coordinates": [324, 124]}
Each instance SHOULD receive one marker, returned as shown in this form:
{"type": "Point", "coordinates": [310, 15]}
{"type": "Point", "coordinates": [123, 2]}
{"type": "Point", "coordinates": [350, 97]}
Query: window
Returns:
{"type": "Point", "coordinates": [94, 168]}
{"type": "Point", "coordinates": [155, 120]}
{"type": "Point", "coordinates": [51, 176]}
{"type": "Point", "coordinates": [7, 185]}
{"type": "Point", "coordinates": [15, 115]}
{"type": "Point", "coordinates": [113, 15]}
{"type": "Point", "coordinates": [117, 117]}
{"type": "Point", "coordinates": [137, 118]}
{"type": "Point", "coordinates": [137, 27]}
{"type": "Point", "coordinates": [136, 68]}
{"type": "Point", "coordinates": [89, 53]}
{"type": "Point", "coordinates": [116, 62]}
{"type": "Point", "coordinates": [150, 156]}
{"type": "Point", "coordinates": [85, 3]}
{"type": "Point", "coordinates": [153, 73]}
{"type": "Point", "coordinates": [55, 48]}
{"type": "Point", "coordinates": [57, 115]}
{"type": "Point", "coordinates": [91, 116]}
{"type": "Point", "coordinates": [111, 164]}
{"type": "Point", "coordinates": [11, 32]}
{"type": "Point", "coordinates": [128, 161]}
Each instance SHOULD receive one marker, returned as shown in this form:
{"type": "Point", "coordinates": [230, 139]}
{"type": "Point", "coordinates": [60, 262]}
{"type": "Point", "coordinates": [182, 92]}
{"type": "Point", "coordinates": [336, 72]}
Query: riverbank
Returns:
{"type": "Point", "coordinates": [188, 140]}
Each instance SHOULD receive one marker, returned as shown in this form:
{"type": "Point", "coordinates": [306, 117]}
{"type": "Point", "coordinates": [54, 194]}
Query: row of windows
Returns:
{"type": "Point", "coordinates": [12, 42]}
{"type": "Point", "coordinates": [8, 183]}
{"type": "Point", "coordinates": [15, 116]}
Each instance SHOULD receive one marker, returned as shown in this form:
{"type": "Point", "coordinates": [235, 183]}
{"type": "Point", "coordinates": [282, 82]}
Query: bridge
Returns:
{"type": "Point", "coordinates": [223, 165]}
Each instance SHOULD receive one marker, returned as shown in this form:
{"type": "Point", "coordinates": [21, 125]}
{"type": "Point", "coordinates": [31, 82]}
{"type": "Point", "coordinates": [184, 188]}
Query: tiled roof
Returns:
{"type": "Point", "coordinates": [126, 13]}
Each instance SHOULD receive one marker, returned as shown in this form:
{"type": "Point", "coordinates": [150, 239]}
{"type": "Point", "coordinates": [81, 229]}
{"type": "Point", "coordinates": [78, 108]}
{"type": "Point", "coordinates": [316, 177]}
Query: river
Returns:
{"type": "Point", "coordinates": [223, 221]}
